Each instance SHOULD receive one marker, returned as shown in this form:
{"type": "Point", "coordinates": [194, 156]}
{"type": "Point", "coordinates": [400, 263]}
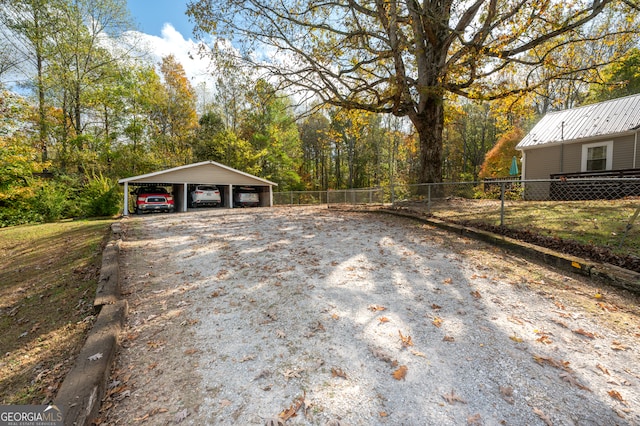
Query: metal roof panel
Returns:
{"type": "Point", "coordinates": [605, 118]}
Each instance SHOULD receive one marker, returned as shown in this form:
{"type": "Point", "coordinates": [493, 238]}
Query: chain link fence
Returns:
{"type": "Point", "coordinates": [602, 212]}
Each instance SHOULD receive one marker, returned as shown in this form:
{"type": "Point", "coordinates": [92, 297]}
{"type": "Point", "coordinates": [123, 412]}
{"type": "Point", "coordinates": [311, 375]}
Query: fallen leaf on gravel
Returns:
{"type": "Point", "coordinates": [290, 374]}
{"type": "Point", "coordinates": [448, 339]}
{"type": "Point", "coordinates": [516, 339]}
{"type": "Point", "coordinates": [607, 307]}
{"type": "Point", "coordinates": [154, 344]}
{"type": "Point", "coordinates": [562, 365]}
{"type": "Point", "coordinates": [447, 281]}
{"type": "Point", "coordinates": [406, 340]}
{"type": "Point", "coordinates": [292, 410]}
{"type": "Point", "coordinates": [584, 333]}
{"type": "Point", "coordinates": [418, 353]}
{"type": "Point", "coordinates": [383, 414]}
{"type": "Point", "coordinates": [603, 369]}
{"type": "Point", "coordinates": [507, 394]}
{"type": "Point", "coordinates": [336, 372]}
{"type": "Point", "coordinates": [225, 403]}
{"type": "Point", "coordinates": [280, 334]}
{"type": "Point", "coordinates": [560, 323]}
{"type": "Point", "coordinates": [476, 294]}
{"type": "Point", "coordinates": [544, 339]}
{"type": "Point", "coordinates": [476, 419]}
{"type": "Point", "coordinates": [616, 395]}
{"type": "Point", "coordinates": [191, 351]}
{"type": "Point", "coordinates": [181, 415]}
{"type": "Point", "coordinates": [617, 346]}
{"type": "Point", "coordinates": [151, 413]}
{"type": "Point", "coordinates": [567, 377]}
{"type": "Point", "coordinates": [560, 305]}
{"type": "Point", "coordinates": [452, 398]}
{"type": "Point", "coordinates": [435, 307]}
{"type": "Point", "coordinates": [335, 316]}
{"type": "Point", "coordinates": [383, 319]}
{"type": "Point", "coordinates": [515, 320]}
{"type": "Point", "coordinates": [545, 418]}
{"type": "Point", "coordinates": [437, 321]}
{"type": "Point", "coordinates": [376, 308]}
{"type": "Point", "coordinates": [400, 373]}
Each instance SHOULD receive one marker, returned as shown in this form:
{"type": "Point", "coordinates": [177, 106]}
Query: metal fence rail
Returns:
{"type": "Point", "coordinates": [598, 211]}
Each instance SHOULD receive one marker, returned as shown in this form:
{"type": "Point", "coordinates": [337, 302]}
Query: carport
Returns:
{"type": "Point", "coordinates": [204, 173]}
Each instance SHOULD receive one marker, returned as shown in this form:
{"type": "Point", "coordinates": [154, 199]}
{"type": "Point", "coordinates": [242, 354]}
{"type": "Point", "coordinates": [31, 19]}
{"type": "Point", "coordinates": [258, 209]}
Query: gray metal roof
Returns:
{"type": "Point", "coordinates": [203, 172]}
{"type": "Point", "coordinates": [605, 118]}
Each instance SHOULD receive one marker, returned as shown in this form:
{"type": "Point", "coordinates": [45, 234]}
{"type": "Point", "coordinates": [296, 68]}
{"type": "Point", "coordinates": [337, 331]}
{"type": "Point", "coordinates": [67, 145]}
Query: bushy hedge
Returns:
{"type": "Point", "coordinates": [62, 197]}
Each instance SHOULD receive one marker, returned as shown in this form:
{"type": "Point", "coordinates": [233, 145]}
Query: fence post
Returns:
{"type": "Point", "coordinates": [291, 197]}
{"type": "Point", "coordinates": [428, 198]}
{"type": "Point", "coordinates": [501, 204]}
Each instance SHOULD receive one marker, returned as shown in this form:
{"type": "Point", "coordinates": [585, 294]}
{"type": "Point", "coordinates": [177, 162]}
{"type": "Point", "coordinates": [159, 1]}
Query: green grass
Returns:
{"type": "Point", "coordinates": [48, 277]}
{"type": "Point", "coordinates": [600, 223]}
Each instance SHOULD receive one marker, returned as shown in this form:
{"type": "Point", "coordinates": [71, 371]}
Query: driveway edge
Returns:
{"type": "Point", "coordinates": [610, 274]}
{"type": "Point", "coordinates": [84, 386]}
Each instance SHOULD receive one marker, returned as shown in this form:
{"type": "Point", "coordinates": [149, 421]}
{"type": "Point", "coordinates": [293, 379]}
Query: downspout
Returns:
{"type": "Point", "coordinates": [635, 149]}
{"type": "Point", "coordinates": [562, 148]}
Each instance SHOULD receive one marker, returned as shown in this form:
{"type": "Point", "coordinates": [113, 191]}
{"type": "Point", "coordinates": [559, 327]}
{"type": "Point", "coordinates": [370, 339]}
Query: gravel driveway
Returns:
{"type": "Point", "coordinates": [238, 317]}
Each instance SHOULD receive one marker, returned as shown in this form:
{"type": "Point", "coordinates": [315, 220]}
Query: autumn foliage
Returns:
{"type": "Point", "coordinates": [498, 160]}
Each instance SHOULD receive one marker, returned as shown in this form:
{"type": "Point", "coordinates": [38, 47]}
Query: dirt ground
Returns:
{"type": "Point", "coordinates": [308, 315]}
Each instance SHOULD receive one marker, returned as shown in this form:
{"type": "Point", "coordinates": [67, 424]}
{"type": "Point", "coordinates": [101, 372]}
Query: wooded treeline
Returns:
{"type": "Point", "coordinates": [90, 109]}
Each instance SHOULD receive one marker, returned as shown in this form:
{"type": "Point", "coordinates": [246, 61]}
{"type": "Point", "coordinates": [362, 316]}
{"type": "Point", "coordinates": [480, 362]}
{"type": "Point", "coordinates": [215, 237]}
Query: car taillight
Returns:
{"type": "Point", "coordinates": [199, 192]}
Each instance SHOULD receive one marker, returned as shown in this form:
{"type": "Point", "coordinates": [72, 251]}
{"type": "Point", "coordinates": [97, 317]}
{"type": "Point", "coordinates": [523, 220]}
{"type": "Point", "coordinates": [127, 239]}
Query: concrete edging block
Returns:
{"type": "Point", "coordinates": [84, 387]}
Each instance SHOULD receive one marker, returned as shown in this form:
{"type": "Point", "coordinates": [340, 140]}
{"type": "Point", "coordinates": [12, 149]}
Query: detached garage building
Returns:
{"type": "Point", "coordinates": [180, 179]}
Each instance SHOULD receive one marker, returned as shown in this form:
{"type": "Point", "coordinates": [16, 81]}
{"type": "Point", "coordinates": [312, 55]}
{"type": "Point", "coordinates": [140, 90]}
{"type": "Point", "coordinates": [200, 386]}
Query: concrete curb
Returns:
{"type": "Point", "coordinates": [610, 274]}
{"type": "Point", "coordinates": [84, 386]}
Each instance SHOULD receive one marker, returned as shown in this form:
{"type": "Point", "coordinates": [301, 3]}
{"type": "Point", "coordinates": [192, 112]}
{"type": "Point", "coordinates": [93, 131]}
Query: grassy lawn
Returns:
{"type": "Point", "coordinates": [48, 276]}
{"type": "Point", "coordinates": [601, 223]}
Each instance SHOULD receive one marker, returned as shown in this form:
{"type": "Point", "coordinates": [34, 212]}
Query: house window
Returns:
{"type": "Point", "coordinates": [597, 156]}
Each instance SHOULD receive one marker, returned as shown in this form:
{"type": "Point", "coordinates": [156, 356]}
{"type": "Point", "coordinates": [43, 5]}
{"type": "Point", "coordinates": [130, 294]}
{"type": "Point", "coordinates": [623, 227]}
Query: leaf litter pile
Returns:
{"type": "Point", "coordinates": [310, 316]}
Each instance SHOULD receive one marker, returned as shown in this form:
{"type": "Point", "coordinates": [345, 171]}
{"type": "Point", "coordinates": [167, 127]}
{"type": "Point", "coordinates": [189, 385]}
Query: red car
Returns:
{"type": "Point", "coordinates": [153, 199]}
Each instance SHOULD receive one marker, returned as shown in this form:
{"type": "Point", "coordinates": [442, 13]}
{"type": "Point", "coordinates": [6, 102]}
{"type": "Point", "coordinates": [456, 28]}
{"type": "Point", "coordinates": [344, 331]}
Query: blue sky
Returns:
{"type": "Point", "coordinates": [151, 15]}
{"type": "Point", "coordinates": [165, 30]}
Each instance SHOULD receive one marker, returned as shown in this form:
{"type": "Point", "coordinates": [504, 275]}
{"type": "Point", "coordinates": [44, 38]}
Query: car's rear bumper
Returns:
{"type": "Point", "coordinates": [206, 202]}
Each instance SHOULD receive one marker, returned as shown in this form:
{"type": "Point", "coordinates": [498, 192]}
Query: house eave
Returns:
{"type": "Point", "coordinates": [630, 132]}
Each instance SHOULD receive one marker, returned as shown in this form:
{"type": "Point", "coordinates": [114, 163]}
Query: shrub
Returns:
{"type": "Point", "coordinates": [54, 200]}
{"type": "Point", "coordinates": [100, 197]}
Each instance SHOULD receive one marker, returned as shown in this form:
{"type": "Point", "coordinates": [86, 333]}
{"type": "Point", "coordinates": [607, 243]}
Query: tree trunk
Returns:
{"type": "Point", "coordinates": [429, 124]}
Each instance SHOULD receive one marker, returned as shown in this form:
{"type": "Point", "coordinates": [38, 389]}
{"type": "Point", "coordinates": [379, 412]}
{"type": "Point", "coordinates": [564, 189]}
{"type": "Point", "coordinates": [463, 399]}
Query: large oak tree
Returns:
{"type": "Point", "coordinates": [404, 56]}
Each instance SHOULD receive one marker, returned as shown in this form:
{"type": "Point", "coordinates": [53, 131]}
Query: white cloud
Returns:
{"type": "Point", "coordinates": [186, 52]}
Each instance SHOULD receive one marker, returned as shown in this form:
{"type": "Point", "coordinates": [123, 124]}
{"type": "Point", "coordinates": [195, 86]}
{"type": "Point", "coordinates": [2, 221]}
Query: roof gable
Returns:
{"type": "Point", "coordinates": [206, 172]}
{"type": "Point", "coordinates": [605, 118]}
